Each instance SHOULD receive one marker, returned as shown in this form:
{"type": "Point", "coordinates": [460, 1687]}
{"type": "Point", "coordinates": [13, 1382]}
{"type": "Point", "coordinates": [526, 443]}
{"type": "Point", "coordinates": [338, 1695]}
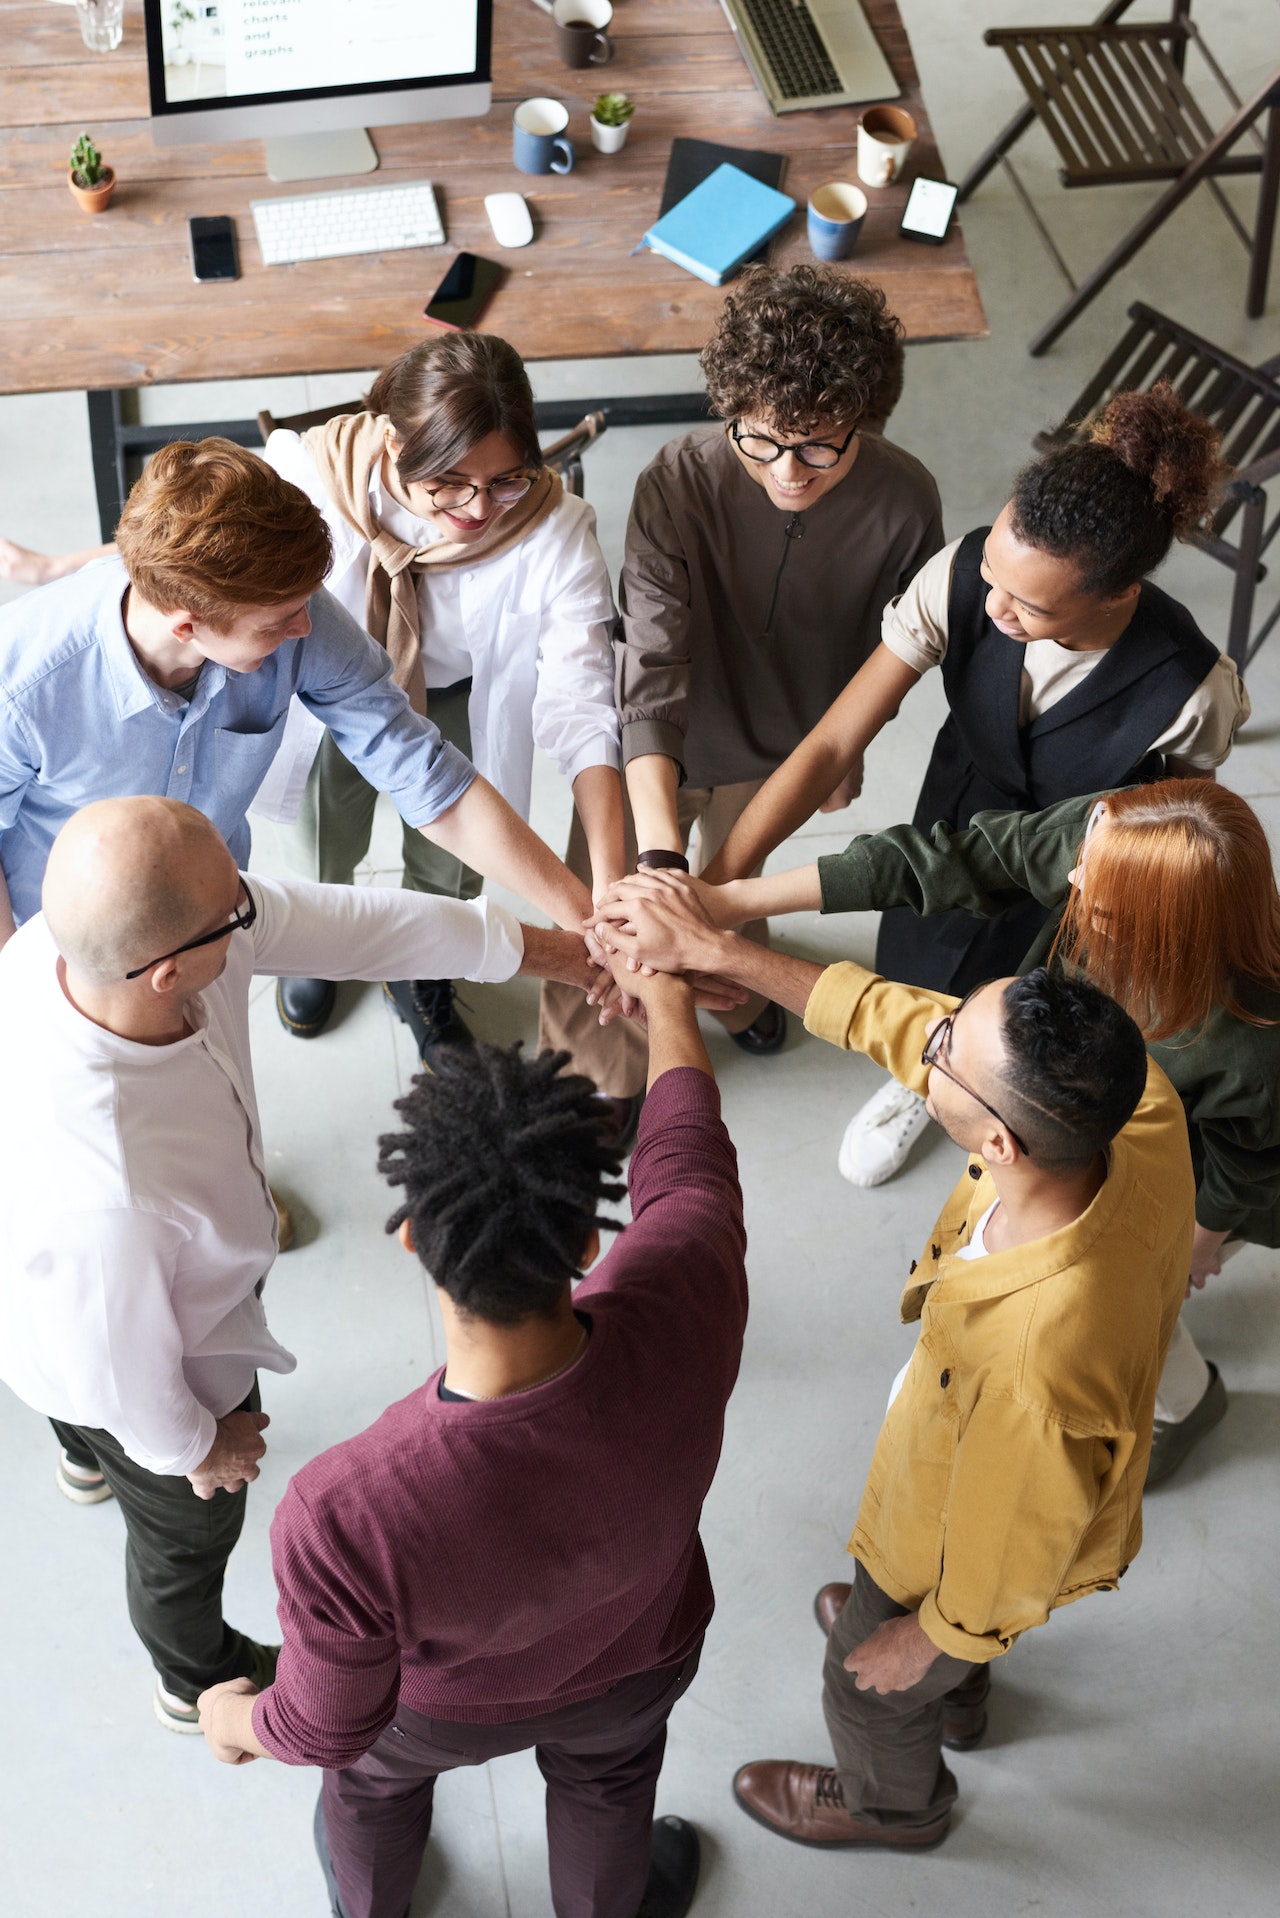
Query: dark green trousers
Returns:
{"type": "Point", "coordinates": [175, 1557]}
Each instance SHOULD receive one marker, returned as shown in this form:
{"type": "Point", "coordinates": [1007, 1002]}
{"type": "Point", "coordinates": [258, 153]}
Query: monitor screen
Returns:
{"type": "Point", "coordinates": [243, 53]}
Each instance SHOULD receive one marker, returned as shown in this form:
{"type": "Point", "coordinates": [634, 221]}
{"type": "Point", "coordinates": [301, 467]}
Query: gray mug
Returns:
{"type": "Point", "coordinates": [582, 31]}
{"type": "Point", "coordinates": [538, 137]}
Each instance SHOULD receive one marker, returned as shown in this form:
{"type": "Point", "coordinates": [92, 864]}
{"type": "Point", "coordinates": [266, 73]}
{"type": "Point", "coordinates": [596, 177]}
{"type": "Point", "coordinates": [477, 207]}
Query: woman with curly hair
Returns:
{"type": "Point", "coordinates": [760, 554]}
{"type": "Point", "coordinates": [1066, 671]}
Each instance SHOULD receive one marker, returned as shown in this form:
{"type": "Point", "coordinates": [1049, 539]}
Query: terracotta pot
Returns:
{"type": "Point", "coordinates": [94, 199]}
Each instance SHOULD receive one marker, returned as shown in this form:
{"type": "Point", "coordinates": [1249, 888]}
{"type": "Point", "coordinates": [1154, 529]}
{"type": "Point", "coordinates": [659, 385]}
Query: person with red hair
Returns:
{"type": "Point", "coordinates": [1164, 895]}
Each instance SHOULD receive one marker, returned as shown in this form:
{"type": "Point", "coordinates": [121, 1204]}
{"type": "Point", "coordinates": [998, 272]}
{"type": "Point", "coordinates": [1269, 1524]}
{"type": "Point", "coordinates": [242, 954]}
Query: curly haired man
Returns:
{"type": "Point", "coordinates": [760, 555]}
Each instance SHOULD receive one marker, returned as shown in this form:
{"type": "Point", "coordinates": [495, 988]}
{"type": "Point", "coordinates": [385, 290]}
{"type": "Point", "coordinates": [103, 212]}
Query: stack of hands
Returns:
{"type": "Point", "coordinates": [661, 921]}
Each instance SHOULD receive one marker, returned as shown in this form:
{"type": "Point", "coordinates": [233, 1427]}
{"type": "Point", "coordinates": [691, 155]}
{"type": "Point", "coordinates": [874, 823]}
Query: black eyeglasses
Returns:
{"type": "Point", "coordinates": [939, 1038]}
{"type": "Point", "coordinates": [503, 492]}
{"type": "Point", "coordinates": [819, 453]}
{"type": "Point", "coordinates": [240, 921]}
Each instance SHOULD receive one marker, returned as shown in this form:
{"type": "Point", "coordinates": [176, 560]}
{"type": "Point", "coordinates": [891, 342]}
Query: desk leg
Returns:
{"type": "Point", "coordinates": [107, 454]}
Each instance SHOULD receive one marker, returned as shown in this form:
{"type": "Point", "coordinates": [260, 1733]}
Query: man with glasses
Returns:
{"type": "Point", "coordinates": [1007, 1477]}
{"type": "Point", "coordinates": [139, 1226]}
{"type": "Point", "coordinates": [760, 555]}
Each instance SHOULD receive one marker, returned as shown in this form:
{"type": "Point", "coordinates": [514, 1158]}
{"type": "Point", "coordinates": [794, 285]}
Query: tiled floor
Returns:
{"type": "Point", "coordinates": [1131, 1767]}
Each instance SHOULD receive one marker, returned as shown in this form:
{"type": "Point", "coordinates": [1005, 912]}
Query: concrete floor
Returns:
{"type": "Point", "coordinates": [1131, 1764]}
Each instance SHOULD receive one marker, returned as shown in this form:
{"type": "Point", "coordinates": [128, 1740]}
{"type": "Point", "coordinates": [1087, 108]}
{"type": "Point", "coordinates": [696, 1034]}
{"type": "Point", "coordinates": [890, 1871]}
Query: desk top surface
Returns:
{"type": "Point", "coordinates": [108, 299]}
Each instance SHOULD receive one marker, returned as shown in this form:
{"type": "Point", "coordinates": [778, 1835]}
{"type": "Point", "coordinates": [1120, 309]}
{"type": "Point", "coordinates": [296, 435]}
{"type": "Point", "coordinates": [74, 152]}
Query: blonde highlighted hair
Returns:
{"type": "Point", "coordinates": [1176, 906]}
{"type": "Point", "coordinates": [210, 529]}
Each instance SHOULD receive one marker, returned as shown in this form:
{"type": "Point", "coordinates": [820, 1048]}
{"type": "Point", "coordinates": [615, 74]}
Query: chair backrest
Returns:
{"type": "Point", "coordinates": [564, 455]}
{"type": "Point", "coordinates": [1242, 401]}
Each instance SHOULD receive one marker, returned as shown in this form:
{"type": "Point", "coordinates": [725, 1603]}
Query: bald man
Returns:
{"type": "Point", "coordinates": [138, 1224]}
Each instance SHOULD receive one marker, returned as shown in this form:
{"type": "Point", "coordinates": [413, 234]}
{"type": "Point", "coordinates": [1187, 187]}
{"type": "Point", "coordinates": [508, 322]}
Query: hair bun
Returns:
{"type": "Point", "coordinates": [1177, 452]}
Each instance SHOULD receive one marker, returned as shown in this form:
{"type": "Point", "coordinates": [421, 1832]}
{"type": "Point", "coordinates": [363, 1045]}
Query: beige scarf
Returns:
{"type": "Point", "coordinates": [346, 450]}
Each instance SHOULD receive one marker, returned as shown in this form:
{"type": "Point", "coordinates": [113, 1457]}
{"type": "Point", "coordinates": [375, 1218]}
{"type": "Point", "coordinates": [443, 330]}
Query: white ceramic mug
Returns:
{"type": "Point", "coordinates": [885, 137]}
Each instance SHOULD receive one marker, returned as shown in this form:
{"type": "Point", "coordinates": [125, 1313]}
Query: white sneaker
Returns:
{"type": "Point", "coordinates": [880, 1135]}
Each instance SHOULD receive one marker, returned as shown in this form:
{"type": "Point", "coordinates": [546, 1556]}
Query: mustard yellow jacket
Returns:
{"type": "Point", "coordinates": [1007, 1477]}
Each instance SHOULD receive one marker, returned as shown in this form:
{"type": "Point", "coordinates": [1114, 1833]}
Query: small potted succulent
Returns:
{"type": "Point", "coordinates": [609, 120]}
{"type": "Point", "coordinates": [90, 181]}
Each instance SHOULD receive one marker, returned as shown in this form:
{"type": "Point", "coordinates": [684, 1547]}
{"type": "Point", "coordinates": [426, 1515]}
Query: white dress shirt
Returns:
{"type": "Point", "coordinates": [135, 1215]}
{"type": "Point", "coordinates": [532, 627]}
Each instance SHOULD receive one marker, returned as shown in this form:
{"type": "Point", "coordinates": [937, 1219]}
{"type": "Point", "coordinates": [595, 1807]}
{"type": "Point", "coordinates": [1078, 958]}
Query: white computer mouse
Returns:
{"type": "Point", "coordinates": [509, 218]}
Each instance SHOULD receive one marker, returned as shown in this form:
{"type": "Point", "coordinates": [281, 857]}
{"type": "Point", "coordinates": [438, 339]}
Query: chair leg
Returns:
{"type": "Point", "coordinates": [1264, 231]}
{"type": "Point", "coordinates": [1250, 549]}
{"type": "Point", "coordinates": [993, 154]}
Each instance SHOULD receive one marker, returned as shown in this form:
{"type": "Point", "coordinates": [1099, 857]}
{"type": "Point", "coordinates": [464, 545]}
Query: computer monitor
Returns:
{"type": "Point", "coordinates": [292, 70]}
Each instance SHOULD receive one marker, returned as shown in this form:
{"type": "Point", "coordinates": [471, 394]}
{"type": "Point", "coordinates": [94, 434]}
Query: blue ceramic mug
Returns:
{"type": "Point", "coordinates": [538, 144]}
{"type": "Point", "coordinates": [836, 213]}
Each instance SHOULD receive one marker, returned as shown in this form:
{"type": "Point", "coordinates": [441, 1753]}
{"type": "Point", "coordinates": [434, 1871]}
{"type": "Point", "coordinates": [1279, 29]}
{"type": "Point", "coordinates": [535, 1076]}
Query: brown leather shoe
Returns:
{"type": "Point", "coordinates": [806, 1804]}
{"type": "Point", "coordinates": [963, 1726]}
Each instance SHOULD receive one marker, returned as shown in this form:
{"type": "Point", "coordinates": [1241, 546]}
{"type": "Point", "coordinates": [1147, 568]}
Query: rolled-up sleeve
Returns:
{"type": "Point", "coordinates": [1024, 1491]}
{"type": "Point", "coordinates": [914, 627]}
{"type": "Point", "coordinates": [375, 932]}
{"type": "Point", "coordinates": [1204, 732]}
{"type": "Point", "coordinates": [345, 680]}
{"type": "Point", "coordinates": [575, 719]}
{"type": "Point", "coordinates": [653, 653]}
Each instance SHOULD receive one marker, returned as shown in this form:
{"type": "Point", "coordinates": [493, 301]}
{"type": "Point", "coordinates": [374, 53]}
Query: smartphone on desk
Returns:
{"type": "Point", "coordinates": [927, 215]}
{"type": "Point", "coordinates": [465, 291]}
{"type": "Point", "coordinates": [213, 248]}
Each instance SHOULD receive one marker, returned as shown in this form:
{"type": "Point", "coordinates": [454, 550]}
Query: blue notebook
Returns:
{"type": "Point", "coordinates": [713, 229]}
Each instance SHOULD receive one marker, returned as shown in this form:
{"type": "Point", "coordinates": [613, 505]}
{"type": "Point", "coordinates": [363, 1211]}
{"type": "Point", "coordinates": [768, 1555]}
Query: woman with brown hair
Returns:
{"type": "Point", "coordinates": [460, 551]}
{"type": "Point", "coordinates": [1066, 671]}
{"type": "Point", "coordinates": [1165, 896]}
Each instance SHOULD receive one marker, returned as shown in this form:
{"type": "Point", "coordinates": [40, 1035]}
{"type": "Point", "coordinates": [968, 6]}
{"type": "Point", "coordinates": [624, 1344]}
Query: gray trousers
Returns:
{"type": "Point", "coordinates": [335, 821]}
{"type": "Point", "coordinates": [889, 1750]}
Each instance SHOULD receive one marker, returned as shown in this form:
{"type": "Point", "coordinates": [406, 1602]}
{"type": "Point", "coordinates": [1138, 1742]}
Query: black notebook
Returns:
{"type": "Point", "coordinates": [693, 161]}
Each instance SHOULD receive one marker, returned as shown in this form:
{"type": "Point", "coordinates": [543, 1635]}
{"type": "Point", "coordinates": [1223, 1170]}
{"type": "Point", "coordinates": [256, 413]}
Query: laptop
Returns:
{"type": "Point", "coordinates": [811, 53]}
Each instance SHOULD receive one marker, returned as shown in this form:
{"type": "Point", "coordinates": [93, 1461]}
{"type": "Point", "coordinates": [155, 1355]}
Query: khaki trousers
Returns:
{"type": "Point", "coordinates": [335, 821]}
{"type": "Point", "coordinates": [616, 1056]}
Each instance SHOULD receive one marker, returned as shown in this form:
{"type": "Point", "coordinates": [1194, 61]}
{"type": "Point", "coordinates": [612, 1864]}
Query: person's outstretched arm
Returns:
{"type": "Point", "coordinates": [809, 775]}
{"type": "Point", "coordinates": [487, 833]}
{"type": "Point", "coordinates": [671, 1018]}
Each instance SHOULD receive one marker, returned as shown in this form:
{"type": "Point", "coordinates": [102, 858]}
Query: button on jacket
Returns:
{"type": "Point", "coordinates": [1007, 1477]}
{"type": "Point", "coordinates": [135, 1217]}
{"type": "Point", "coordinates": [80, 720]}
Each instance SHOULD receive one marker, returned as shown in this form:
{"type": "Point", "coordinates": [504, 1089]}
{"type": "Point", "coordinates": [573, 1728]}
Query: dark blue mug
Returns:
{"type": "Point", "coordinates": [538, 144]}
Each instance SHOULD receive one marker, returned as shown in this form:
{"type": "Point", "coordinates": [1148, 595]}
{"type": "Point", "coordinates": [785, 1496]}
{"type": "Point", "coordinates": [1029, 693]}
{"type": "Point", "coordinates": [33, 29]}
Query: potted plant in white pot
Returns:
{"type": "Point", "coordinates": [609, 120]}
{"type": "Point", "coordinates": [91, 182]}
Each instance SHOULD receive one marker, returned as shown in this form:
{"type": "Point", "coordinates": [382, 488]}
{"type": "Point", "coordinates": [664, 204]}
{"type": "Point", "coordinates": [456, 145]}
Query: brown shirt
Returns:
{"type": "Point", "coordinates": [741, 622]}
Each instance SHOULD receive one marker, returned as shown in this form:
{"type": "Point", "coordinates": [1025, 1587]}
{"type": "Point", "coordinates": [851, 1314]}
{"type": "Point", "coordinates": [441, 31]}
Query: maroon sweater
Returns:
{"type": "Point", "coordinates": [493, 1560]}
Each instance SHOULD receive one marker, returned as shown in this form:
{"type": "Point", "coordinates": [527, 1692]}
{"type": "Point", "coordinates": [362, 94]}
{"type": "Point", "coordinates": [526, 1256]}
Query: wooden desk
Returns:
{"type": "Point", "coordinates": [108, 301]}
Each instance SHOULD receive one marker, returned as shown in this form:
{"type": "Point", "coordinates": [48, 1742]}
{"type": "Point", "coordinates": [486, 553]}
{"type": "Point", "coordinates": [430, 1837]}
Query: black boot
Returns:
{"type": "Point", "coordinates": [674, 1857]}
{"type": "Point", "coordinates": [305, 1005]}
{"type": "Point", "coordinates": [427, 1008]}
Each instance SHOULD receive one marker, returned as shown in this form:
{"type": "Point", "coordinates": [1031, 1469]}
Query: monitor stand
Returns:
{"type": "Point", "coordinates": [320, 156]}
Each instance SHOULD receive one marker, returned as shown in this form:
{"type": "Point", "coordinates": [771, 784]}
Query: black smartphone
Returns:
{"type": "Point", "coordinates": [465, 291]}
{"type": "Point", "coordinates": [213, 248]}
{"type": "Point", "coordinates": [927, 214]}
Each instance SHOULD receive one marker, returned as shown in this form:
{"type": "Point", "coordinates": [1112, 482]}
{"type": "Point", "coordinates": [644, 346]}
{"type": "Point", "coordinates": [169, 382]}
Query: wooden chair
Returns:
{"type": "Point", "coordinates": [563, 455]}
{"type": "Point", "coordinates": [1243, 402]}
{"type": "Point", "coordinates": [1113, 99]}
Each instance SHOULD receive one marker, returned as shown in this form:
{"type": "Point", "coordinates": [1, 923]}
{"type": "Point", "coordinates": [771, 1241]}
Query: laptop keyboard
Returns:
{"type": "Point", "coordinates": [793, 47]}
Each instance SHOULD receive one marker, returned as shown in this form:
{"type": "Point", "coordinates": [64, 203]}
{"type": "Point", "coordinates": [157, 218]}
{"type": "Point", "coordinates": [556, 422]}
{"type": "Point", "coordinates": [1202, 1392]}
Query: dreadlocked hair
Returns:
{"type": "Point", "coordinates": [504, 1165]}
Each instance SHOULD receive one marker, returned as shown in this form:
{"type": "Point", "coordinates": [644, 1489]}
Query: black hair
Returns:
{"type": "Point", "coordinates": [1113, 504]}
{"type": "Point", "coordinates": [1074, 1070]}
{"type": "Point", "coordinates": [504, 1166]}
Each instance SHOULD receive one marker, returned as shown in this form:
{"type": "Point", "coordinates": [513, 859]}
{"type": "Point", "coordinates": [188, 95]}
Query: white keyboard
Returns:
{"type": "Point", "coordinates": [325, 226]}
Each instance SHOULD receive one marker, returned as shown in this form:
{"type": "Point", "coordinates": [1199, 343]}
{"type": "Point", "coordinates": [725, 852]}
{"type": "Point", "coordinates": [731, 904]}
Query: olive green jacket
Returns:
{"type": "Point", "coordinates": [1227, 1073]}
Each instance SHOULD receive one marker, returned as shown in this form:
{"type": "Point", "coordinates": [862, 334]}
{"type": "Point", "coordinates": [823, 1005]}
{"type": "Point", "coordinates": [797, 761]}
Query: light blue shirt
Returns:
{"type": "Point", "coordinates": [80, 720]}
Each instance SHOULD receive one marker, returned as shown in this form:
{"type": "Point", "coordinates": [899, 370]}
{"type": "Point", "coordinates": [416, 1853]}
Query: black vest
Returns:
{"type": "Point", "coordinates": [1098, 737]}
